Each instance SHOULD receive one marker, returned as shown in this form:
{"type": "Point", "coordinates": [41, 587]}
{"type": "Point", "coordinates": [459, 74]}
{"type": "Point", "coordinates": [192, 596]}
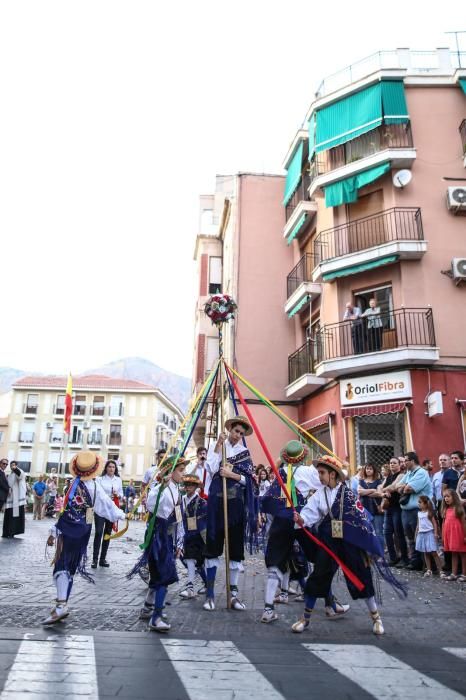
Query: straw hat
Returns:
{"type": "Point", "coordinates": [191, 479]}
{"type": "Point", "coordinates": [331, 463]}
{"type": "Point", "coordinates": [294, 452]}
{"type": "Point", "coordinates": [86, 464]}
{"type": "Point", "coordinates": [242, 421]}
{"type": "Point", "coordinates": [167, 466]}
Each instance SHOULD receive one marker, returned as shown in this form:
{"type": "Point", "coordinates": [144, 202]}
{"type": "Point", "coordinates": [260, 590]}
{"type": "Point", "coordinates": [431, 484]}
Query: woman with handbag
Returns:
{"type": "Point", "coordinates": [370, 498]}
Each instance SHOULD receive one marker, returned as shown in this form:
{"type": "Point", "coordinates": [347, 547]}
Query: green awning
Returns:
{"type": "Point", "coordinates": [394, 108]}
{"type": "Point", "coordinates": [362, 267]}
{"type": "Point", "coordinates": [299, 306]}
{"type": "Point", "coordinates": [462, 82]}
{"type": "Point", "coordinates": [296, 228]}
{"type": "Point", "coordinates": [359, 113]}
{"type": "Point", "coordinates": [346, 191]}
{"type": "Point", "coordinates": [293, 176]}
{"type": "Point", "coordinates": [312, 135]}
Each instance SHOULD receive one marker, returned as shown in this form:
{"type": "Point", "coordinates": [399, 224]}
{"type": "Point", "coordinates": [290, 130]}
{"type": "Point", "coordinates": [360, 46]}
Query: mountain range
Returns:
{"type": "Point", "coordinates": [176, 387]}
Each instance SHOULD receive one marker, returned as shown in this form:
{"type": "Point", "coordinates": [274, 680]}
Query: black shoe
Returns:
{"type": "Point", "coordinates": [402, 565]}
{"type": "Point", "coordinates": [94, 564]}
{"type": "Point", "coordinates": [393, 562]}
{"type": "Point", "coordinates": [104, 563]}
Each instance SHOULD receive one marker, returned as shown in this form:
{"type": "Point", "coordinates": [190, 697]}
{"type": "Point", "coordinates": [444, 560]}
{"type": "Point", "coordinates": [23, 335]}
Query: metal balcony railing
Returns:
{"type": "Point", "coordinates": [300, 194]}
{"type": "Point", "coordinates": [301, 362]}
{"type": "Point", "coordinates": [114, 440]}
{"type": "Point", "coordinates": [79, 410]}
{"type": "Point", "coordinates": [302, 272]}
{"type": "Point", "coordinates": [399, 328]}
{"type": "Point", "coordinates": [379, 139]}
{"type": "Point", "coordinates": [30, 408]}
{"type": "Point", "coordinates": [462, 130]}
{"type": "Point", "coordinates": [94, 439]}
{"type": "Point", "coordinates": [26, 437]}
{"type": "Point", "coordinates": [97, 410]}
{"type": "Point", "coordinates": [397, 224]}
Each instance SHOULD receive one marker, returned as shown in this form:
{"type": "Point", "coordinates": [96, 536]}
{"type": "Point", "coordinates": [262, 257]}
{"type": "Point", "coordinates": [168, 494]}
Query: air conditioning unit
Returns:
{"type": "Point", "coordinates": [458, 269]}
{"type": "Point", "coordinates": [49, 425]}
{"type": "Point", "coordinates": [456, 199]}
{"type": "Point", "coordinates": [86, 424]}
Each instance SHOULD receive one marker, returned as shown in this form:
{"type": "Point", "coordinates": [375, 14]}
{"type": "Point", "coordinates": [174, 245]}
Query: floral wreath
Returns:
{"type": "Point", "coordinates": [220, 308]}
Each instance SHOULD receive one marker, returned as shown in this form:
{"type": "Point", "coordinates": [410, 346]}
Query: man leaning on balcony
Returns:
{"type": "Point", "coordinates": [374, 326]}
{"type": "Point", "coordinates": [353, 314]}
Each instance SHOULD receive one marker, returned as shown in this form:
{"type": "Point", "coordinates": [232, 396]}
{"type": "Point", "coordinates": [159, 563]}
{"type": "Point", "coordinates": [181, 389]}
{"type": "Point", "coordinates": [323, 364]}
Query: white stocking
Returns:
{"type": "Point", "coordinates": [371, 604]}
{"type": "Point", "coordinates": [62, 582]}
{"type": "Point", "coordinates": [191, 565]}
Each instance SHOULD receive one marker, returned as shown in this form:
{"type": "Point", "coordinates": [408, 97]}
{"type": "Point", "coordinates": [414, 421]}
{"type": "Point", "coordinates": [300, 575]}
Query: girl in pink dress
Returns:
{"type": "Point", "coordinates": [454, 533]}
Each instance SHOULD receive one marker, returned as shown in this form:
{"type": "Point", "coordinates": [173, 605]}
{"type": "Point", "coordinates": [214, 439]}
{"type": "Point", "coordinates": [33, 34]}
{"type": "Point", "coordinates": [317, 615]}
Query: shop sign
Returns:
{"type": "Point", "coordinates": [378, 387]}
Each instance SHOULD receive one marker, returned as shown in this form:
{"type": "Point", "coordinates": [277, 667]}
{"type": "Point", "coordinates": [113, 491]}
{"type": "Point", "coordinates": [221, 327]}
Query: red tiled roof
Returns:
{"type": "Point", "coordinates": [91, 381]}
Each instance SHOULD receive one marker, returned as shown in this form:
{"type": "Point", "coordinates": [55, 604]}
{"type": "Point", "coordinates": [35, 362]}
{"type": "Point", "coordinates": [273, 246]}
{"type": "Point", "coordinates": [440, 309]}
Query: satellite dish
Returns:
{"type": "Point", "coordinates": [402, 178]}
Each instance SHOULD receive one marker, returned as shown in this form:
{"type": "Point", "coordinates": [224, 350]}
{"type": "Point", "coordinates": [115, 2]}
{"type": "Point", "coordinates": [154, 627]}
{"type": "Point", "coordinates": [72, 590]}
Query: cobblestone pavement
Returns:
{"type": "Point", "coordinates": [27, 591]}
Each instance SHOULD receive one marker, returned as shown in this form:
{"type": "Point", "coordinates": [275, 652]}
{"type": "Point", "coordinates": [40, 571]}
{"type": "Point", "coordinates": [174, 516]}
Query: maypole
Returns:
{"type": "Point", "coordinates": [220, 308]}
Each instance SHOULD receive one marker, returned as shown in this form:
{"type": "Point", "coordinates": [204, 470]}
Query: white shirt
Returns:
{"type": "Point", "coordinates": [111, 484]}
{"type": "Point", "coordinates": [168, 500]}
{"type": "Point", "coordinates": [200, 470]}
{"type": "Point", "coordinates": [437, 485]}
{"type": "Point", "coordinates": [103, 505]}
{"type": "Point", "coordinates": [317, 508]}
{"type": "Point", "coordinates": [149, 474]}
{"type": "Point", "coordinates": [306, 479]}
{"type": "Point", "coordinates": [424, 524]}
{"type": "Point", "coordinates": [214, 459]}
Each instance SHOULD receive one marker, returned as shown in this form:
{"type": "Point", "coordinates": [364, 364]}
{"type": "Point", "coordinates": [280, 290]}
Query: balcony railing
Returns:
{"type": "Point", "coordinates": [398, 224]}
{"type": "Point", "coordinates": [300, 194]}
{"type": "Point", "coordinates": [462, 130]}
{"type": "Point", "coordinates": [94, 439]}
{"type": "Point", "coordinates": [301, 362]}
{"type": "Point", "coordinates": [79, 410]}
{"type": "Point", "coordinates": [379, 139]}
{"type": "Point", "coordinates": [58, 410]}
{"type": "Point", "coordinates": [97, 410]}
{"type": "Point", "coordinates": [31, 409]}
{"type": "Point", "coordinates": [400, 328]}
{"type": "Point", "coordinates": [26, 437]}
{"type": "Point", "coordinates": [302, 272]}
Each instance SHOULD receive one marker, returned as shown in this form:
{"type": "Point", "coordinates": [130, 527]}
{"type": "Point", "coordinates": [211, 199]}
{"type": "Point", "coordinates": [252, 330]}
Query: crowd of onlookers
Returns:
{"type": "Point", "coordinates": [418, 513]}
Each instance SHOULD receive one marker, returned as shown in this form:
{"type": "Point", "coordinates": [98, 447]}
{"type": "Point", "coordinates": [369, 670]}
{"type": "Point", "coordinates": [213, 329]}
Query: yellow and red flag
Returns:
{"type": "Point", "coordinates": [68, 406]}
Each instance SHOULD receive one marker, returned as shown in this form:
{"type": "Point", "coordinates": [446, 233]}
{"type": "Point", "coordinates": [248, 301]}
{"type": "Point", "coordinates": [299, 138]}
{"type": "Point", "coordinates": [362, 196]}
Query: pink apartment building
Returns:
{"type": "Point", "coordinates": [375, 199]}
{"type": "Point", "coordinates": [240, 251]}
{"type": "Point", "coordinates": [372, 206]}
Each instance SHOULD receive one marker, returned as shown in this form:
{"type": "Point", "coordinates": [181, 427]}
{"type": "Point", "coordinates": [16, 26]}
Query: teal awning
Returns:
{"type": "Point", "coordinates": [312, 135]}
{"type": "Point", "coordinates": [299, 306]}
{"type": "Point", "coordinates": [346, 191]}
{"type": "Point", "coordinates": [462, 82]}
{"type": "Point", "coordinates": [296, 228]}
{"type": "Point", "coordinates": [359, 113]}
{"type": "Point", "coordinates": [362, 267]}
{"type": "Point", "coordinates": [394, 108]}
{"type": "Point", "coordinates": [293, 176]}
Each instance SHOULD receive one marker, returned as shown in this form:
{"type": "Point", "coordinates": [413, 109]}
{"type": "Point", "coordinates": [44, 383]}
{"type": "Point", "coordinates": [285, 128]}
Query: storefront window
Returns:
{"type": "Point", "coordinates": [379, 437]}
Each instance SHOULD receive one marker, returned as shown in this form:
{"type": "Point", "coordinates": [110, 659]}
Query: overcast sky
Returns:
{"type": "Point", "coordinates": [115, 117]}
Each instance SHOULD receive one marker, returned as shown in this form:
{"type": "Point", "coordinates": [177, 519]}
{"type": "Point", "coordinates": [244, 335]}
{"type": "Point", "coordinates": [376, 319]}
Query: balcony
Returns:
{"type": "Point", "coordinates": [26, 438]}
{"type": "Point", "coordinates": [302, 379]}
{"type": "Point", "coordinates": [94, 440]}
{"type": "Point", "coordinates": [391, 235]}
{"type": "Point", "coordinates": [58, 410]}
{"type": "Point", "coordinates": [407, 337]}
{"type": "Point", "coordinates": [116, 411]}
{"type": "Point", "coordinates": [298, 209]}
{"type": "Point", "coordinates": [389, 142]}
{"type": "Point", "coordinates": [462, 130]}
{"type": "Point", "coordinates": [79, 410]}
{"type": "Point", "coordinates": [299, 285]}
{"type": "Point", "coordinates": [97, 411]}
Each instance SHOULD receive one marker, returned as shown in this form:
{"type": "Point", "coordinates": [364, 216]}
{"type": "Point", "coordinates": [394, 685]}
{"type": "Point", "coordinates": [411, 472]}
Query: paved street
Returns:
{"type": "Point", "coordinates": [224, 654]}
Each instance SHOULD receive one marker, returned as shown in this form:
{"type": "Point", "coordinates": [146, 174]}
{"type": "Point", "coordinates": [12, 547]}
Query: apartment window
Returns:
{"type": "Point", "coordinates": [32, 403]}
{"type": "Point", "coordinates": [26, 434]}
{"type": "Point", "coordinates": [1, 437]}
{"type": "Point", "coordinates": [114, 456]}
{"type": "Point", "coordinates": [56, 434]}
{"type": "Point", "coordinates": [215, 275]}
{"type": "Point", "coordinates": [98, 406]}
{"type": "Point", "coordinates": [76, 435]}
{"type": "Point", "coordinates": [94, 436]}
{"type": "Point", "coordinates": [60, 405]}
{"type": "Point", "coordinates": [116, 406]}
{"type": "Point", "coordinates": [115, 434]}
{"type": "Point", "coordinates": [384, 298]}
{"type": "Point", "coordinates": [24, 460]}
{"type": "Point", "coordinates": [79, 405]}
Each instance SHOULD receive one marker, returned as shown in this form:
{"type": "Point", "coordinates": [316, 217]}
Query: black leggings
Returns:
{"type": "Point", "coordinates": [102, 527]}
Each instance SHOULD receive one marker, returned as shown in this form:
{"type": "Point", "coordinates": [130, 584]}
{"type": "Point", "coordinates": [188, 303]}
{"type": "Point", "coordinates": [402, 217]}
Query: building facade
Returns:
{"type": "Point", "coordinates": [374, 205]}
{"type": "Point", "coordinates": [239, 251]}
{"type": "Point", "coordinates": [120, 419]}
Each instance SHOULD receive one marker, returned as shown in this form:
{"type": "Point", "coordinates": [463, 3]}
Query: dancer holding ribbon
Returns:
{"type": "Point", "coordinates": [73, 528]}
